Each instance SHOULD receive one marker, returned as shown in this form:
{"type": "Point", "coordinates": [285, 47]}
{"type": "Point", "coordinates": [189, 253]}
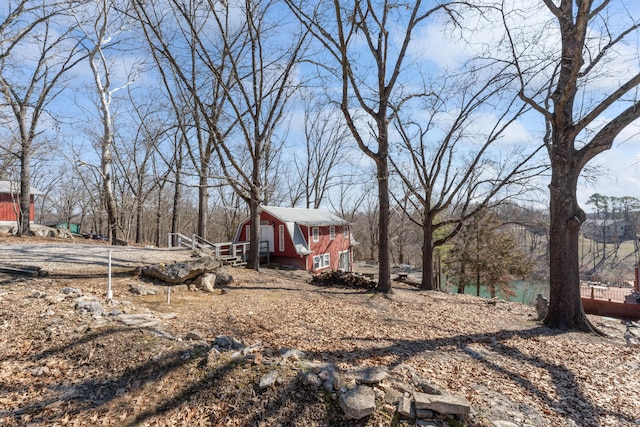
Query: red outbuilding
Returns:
{"type": "Point", "coordinates": [10, 203]}
{"type": "Point", "coordinates": [309, 239]}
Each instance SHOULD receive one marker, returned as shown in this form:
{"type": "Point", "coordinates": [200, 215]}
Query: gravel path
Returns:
{"type": "Point", "coordinates": [85, 258]}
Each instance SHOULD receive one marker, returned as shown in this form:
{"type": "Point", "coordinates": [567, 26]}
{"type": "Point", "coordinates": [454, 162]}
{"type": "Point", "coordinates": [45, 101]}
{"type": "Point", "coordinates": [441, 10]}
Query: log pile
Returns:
{"type": "Point", "coordinates": [341, 279]}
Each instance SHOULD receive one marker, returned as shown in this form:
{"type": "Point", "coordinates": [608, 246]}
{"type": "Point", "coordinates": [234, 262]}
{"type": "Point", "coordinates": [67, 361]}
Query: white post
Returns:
{"type": "Point", "coordinates": [109, 293]}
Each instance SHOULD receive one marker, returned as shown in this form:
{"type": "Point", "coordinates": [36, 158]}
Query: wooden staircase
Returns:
{"type": "Point", "coordinates": [230, 253]}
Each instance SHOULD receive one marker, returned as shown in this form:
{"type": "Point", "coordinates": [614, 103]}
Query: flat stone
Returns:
{"type": "Point", "coordinates": [368, 375]}
{"type": "Point", "coordinates": [405, 407]}
{"type": "Point", "coordinates": [268, 380]}
{"type": "Point", "coordinates": [92, 307]}
{"type": "Point", "coordinates": [500, 423]}
{"type": "Point", "coordinates": [358, 403]}
{"type": "Point", "coordinates": [443, 404]}
{"type": "Point", "coordinates": [424, 413]}
{"type": "Point", "coordinates": [138, 289]}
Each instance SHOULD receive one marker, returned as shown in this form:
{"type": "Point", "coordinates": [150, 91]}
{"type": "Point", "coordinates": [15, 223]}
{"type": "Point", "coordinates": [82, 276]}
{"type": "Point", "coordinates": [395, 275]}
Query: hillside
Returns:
{"type": "Point", "coordinates": [60, 365]}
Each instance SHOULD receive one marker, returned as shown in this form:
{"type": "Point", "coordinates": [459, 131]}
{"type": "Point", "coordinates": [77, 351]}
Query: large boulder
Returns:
{"type": "Point", "coordinates": [180, 272]}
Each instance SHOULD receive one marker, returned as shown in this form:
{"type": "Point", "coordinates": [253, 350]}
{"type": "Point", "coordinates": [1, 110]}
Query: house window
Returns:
{"type": "Point", "coordinates": [321, 261]}
{"type": "Point", "coordinates": [281, 237]}
{"type": "Point", "coordinates": [345, 231]}
{"type": "Point", "coordinates": [332, 232]}
{"type": "Point", "coordinates": [316, 234]}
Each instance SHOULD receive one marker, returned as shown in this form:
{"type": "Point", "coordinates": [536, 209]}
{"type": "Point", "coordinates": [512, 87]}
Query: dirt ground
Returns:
{"type": "Point", "coordinates": [60, 366]}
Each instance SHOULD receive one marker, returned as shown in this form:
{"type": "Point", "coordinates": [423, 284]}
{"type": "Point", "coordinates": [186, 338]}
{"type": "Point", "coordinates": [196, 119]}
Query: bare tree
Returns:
{"type": "Point", "coordinates": [324, 162]}
{"type": "Point", "coordinates": [584, 110]}
{"type": "Point", "coordinates": [366, 43]}
{"type": "Point", "coordinates": [450, 167]}
{"type": "Point", "coordinates": [104, 27]}
{"type": "Point", "coordinates": [35, 57]}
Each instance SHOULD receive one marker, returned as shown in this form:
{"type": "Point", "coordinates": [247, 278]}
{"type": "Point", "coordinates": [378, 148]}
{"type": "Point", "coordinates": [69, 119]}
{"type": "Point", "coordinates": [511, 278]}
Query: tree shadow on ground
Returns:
{"type": "Point", "coordinates": [220, 391]}
{"type": "Point", "coordinates": [569, 399]}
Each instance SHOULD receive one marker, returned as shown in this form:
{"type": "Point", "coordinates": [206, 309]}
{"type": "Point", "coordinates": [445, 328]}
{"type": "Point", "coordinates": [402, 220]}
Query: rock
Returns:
{"type": "Point", "coordinates": [368, 375]}
{"type": "Point", "coordinates": [206, 282]}
{"type": "Point", "coordinates": [223, 277]}
{"type": "Point", "coordinates": [542, 306]}
{"type": "Point", "coordinates": [405, 407]}
{"type": "Point", "coordinates": [92, 307]}
{"type": "Point", "coordinates": [136, 288]}
{"type": "Point", "coordinates": [268, 380]}
{"type": "Point", "coordinates": [429, 389]}
{"type": "Point", "coordinates": [72, 292]}
{"type": "Point", "coordinates": [294, 355]}
{"type": "Point", "coordinates": [255, 347]}
{"type": "Point", "coordinates": [358, 403]}
{"type": "Point", "coordinates": [179, 272]}
{"type": "Point", "coordinates": [500, 423]}
{"type": "Point", "coordinates": [194, 336]}
{"type": "Point", "coordinates": [312, 379]}
{"type": "Point", "coordinates": [222, 341]}
{"type": "Point", "coordinates": [424, 414]}
{"type": "Point", "coordinates": [444, 404]}
{"type": "Point", "coordinates": [139, 320]}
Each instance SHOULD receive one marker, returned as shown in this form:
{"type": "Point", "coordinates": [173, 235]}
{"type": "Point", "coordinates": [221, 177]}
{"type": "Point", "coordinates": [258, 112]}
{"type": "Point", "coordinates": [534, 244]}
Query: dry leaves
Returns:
{"type": "Point", "coordinates": [53, 371]}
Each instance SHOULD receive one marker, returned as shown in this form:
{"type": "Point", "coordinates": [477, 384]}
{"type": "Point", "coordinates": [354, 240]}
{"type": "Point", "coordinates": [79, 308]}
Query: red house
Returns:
{"type": "Point", "coordinates": [10, 203]}
{"type": "Point", "coordinates": [309, 239]}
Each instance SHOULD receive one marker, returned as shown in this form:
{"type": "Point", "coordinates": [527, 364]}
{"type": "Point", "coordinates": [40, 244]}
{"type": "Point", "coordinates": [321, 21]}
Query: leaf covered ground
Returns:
{"type": "Point", "coordinates": [59, 366]}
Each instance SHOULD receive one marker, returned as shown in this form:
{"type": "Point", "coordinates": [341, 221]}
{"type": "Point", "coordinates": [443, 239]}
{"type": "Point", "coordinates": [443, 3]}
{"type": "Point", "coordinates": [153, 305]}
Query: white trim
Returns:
{"type": "Point", "coordinates": [315, 233]}
{"type": "Point", "coordinates": [332, 232]}
{"type": "Point", "coordinates": [281, 237]}
{"type": "Point", "coordinates": [321, 261]}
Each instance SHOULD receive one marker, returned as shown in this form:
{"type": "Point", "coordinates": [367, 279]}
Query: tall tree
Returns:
{"type": "Point", "coordinates": [584, 110]}
{"type": "Point", "coordinates": [452, 169]}
{"type": "Point", "coordinates": [37, 51]}
{"type": "Point", "coordinates": [104, 27]}
{"type": "Point", "coordinates": [366, 43]}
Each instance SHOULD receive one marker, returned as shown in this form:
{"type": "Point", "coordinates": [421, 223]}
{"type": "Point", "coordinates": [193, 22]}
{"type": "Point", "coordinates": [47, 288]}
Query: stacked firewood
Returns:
{"type": "Point", "coordinates": [341, 279]}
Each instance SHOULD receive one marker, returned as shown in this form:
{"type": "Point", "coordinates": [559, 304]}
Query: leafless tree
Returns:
{"type": "Point", "coordinates": [323, 161]}
{"type": "Point", "coordinates": [104, 28]}
{"type": "Point", "coordinates": [37, 51]}
{"type": "Point", "coordinates": [452, 163]}
{"type": "Point", "coordinates": [585, 87]}
{"type": "Point", "coordinates": [250, 68]}
{"type": "Point", "coordinates": [366, 43]}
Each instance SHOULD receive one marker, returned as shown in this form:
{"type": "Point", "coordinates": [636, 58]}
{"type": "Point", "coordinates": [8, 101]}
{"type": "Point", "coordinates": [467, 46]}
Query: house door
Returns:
{"type": "Point", "coordinates": [343, 262]}
{"type": "Point", "coordinates": [267, 235]}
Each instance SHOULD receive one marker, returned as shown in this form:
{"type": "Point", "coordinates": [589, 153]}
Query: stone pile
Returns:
{"type": "Point", "coordinates": [358, 390]}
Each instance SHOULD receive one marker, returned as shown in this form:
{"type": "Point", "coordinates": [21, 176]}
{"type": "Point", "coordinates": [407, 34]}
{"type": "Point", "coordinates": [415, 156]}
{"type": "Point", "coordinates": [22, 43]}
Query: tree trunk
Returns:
{"type": "Point", "coordinates": [253, 262]}
{"type": "Point", "coordinates": [427, 256]}
{"type": "Point", "coordinates": [24, 227]}
{"type": "Point", "coordinates": [203, 204]}
{"type": "Point", "coordinates": [565, 306]}
{"type": "Point", "coordinates": [384, 263]}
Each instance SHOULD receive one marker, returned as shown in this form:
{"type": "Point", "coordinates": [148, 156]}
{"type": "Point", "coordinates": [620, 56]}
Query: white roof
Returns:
{"type": "Point", "coordinates": [308, 217]}
{"type": "Point", "coordinates": [13, 187]}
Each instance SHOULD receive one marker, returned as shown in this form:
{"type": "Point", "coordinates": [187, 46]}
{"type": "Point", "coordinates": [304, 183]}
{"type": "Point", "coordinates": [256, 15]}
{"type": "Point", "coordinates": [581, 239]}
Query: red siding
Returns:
{"type": "Point", "coordinates": [326, 245]}
{"type": "Point", "coordinates": [9, 206]}
{"type": "Point", "coordinates": [289, 256]}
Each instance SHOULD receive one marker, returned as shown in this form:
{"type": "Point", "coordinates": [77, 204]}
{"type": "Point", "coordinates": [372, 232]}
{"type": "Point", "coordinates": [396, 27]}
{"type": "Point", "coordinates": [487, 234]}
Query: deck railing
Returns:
{"type": "Point", "coordinates": [597, 291]}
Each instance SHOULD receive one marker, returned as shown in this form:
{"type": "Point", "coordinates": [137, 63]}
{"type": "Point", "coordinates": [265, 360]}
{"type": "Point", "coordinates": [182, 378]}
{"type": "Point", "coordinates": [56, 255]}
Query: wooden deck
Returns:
{"type": "Point", "coordinates": [612, 301]}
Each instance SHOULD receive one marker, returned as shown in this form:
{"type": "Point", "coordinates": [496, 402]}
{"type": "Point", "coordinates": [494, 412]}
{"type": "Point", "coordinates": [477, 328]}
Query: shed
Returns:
{"type": "Point", "coordinates": [308, 239]}
{"type": "Point", "coordinates": [10, 203]}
